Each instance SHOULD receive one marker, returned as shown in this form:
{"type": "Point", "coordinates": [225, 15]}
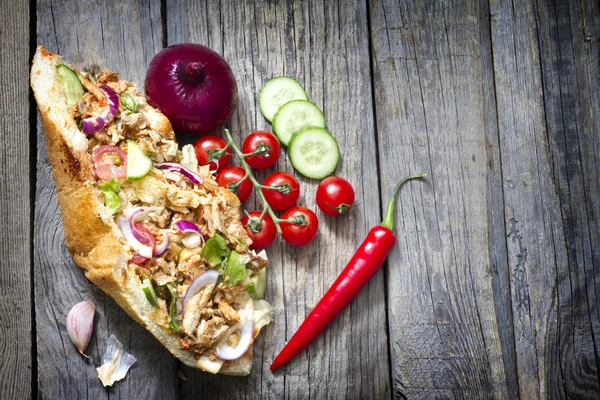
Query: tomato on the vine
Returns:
{"type": "Point", "coordinates": [303, 230]}
{"type": "Point", "coordinates": [207, 153]}
{"type": "Point", "coordinates": [286, 192]}
{"type": "Point", "coordinates": [267, 147]}
{"type": "Point", "coordinates": [263, 233]}
{"type": "Point", "coordinates": [229, 177]}
{"type": "Point", "coordinates": [335, 196]}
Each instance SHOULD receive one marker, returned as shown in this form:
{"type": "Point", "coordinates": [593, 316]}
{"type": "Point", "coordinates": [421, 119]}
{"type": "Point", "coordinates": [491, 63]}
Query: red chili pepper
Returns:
{"type": "Point", "coordinates": [364, 264]}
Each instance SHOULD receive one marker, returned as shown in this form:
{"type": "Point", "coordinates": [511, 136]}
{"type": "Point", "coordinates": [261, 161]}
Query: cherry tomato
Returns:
{"type": "Point", "coordinates": [286, 196]}
{"type": "Point", "coordinates": [261, 234]}
{"type": "Point", "coordinates": [304, 231]}
{"type": "Point", "coordinates": [228, 178]}
{"type": "Point", "coordinates": [110, 162]}
{"type": "Point", "coordinates": [205, 149]}
{"type": "Point", "coordinates": [138, 260]}
{"type": "Point", "coordinates": [335, 196]}
{"type": "Point", "coordinates": [262, 141]}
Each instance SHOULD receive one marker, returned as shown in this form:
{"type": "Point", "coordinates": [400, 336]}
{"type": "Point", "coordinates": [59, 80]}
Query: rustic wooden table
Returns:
{"type": "Point", "coordinates": [492, 290]}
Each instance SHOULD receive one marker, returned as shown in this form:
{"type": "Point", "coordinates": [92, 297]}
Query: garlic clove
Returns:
{"type": "Point", "coordinates": [80, 324]}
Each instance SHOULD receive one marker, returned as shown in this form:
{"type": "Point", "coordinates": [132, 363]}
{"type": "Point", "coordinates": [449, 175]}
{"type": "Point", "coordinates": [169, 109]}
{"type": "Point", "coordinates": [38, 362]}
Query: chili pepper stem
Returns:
{"type": "Point", "coordinates": [388, 221]}
{"type": "Point", "coordinates": [249, 175]}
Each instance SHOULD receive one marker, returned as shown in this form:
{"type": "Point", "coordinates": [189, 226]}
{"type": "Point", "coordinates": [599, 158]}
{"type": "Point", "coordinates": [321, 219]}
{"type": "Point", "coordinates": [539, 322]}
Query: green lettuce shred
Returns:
{"type": "Point", "coordinates": [110, 190]}
{"type": "Point", "coordinates": [235, 270]}
{"type": "Point", "coordinates": [215, 250]}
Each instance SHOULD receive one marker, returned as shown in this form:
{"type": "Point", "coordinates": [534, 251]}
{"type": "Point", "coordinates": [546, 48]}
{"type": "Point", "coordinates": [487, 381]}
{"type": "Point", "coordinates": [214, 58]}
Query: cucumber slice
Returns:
{"type": "Point", "coordinates": [71, 84]}
{"type": "Point", "coordinates": [138, 162]}
{"type": "Point", "coordinates": [256, 288]}
{"type": "Point", "coordinates": [294, 116]}
{"type": "Point", "coordinates": [314, 152]}
{"type": "Point", "coordinates": [149, 292]}
{"type": "Point", "coordinates": [276, 93]}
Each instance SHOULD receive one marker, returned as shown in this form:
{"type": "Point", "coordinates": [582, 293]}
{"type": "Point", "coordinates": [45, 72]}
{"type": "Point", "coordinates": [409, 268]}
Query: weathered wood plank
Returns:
{"type": "Point", "coordinates": [325, 46]}
{"type": "Point", "coordinates": [123, 37]}
{"type": "Point", "coordinates": [432, 85]}
{"type": "Point", "coordinates": [546, 69]}
{"type": "Point", "coordinates": [566, 33]}
{"type": "Point", "coordinates": [15, 276]}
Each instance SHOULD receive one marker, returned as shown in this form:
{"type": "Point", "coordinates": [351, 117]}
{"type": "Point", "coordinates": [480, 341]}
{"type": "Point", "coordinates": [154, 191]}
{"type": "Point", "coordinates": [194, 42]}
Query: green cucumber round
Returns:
{"type": "Point", "coordinates": [314, 152]}
{"type": "Point", "coordinates": [276, 93]}
{"type": "Point", "coordinates": [138, 162]}
{"type": "Point", "coordinates": [294, 116]}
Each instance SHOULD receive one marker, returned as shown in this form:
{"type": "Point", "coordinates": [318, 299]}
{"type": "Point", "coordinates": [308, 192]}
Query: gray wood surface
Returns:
{"type": "Point", "coordinates": [430, 87]}
{"type": "Point", "coordinates": [15, 205]}
{"type": "Point", "coordinates": [546, 74]}
{"type": "Point", "coordinates": [492, 290]}
{"type": "Point", "coordinates": [324, 45]}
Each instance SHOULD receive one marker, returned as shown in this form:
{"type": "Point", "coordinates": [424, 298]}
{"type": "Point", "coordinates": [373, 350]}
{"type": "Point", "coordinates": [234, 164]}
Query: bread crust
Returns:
{"type": "Point", "coordinates": [92, 237]}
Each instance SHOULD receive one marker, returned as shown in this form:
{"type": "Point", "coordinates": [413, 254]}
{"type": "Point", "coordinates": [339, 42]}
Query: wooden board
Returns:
{"type": "Point", "coordinates": [325, 46]}
{"type": "Point", "coordinates": [430, 91]}
{"type": "Point", "coordinates": [105, 35]}
{"type": "Point", "coordinates": [16, 350]}
{"type": "Point", "coordinates": [546, 69]}
{"type": "Point", "coordinates": [492, 291]}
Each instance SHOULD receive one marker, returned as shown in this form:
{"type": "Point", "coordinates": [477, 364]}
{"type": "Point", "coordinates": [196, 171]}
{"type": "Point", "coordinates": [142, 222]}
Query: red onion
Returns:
{"type": "Point", "coordinates": [187, 226]}
{"type": "Point", "coordinates": [193, 86]}
{"type": "Point", "coordinates": [194, 236]}
{"type": "Point", "coordinates": [163, 246]}
{"type": "Point", "coordinates": [96, 123]}
{"type": "Point", "coordinates": [141, 249]}
{"type": "Point", "coordinates": [226, 352]}
{"type": "Point", "coordinates": [174, 167]}
{"type": "Point", "coordinates": [107, 171]}
{"type": "Point", "coordinates": [206, 278]}
{"type": "Point", "coordinates": [140, 234]}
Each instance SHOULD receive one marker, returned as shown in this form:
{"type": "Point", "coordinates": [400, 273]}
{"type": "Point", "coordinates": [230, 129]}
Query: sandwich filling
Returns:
{"type": "Point", "coordinates": [187, 245]}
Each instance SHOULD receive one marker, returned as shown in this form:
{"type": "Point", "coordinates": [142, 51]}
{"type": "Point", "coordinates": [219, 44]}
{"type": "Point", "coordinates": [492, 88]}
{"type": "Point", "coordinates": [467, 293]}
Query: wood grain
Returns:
{"type": "Point", "coordinates": [15, 273]}
{"type": "Point", "coordinates": [547, 84]}
{"type": "Point", "coordinates": [567, 31]}
{"type": "Point", "coordinates": [324, 45]}
{"type": "Point", "coordinates": [122, 37]}
{"type": "Point", "coordinates": [430, 90]}
{"type": "Point", "coordinates": [493, 289]}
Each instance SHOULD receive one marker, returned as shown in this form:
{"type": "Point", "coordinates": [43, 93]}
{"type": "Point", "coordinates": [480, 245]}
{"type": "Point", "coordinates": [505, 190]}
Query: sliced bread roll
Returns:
{"type": "Point", "coordinates": [98, 245]}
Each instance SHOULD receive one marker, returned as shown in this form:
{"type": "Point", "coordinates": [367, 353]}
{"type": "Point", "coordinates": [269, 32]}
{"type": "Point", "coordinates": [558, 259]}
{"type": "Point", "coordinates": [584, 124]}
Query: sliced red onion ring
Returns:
{"type": "Point", "coordinates": [98, 122]}
{"type": "Point", "coordinates": [136, 216]}
{"type": "Point", "coordinates": [142, 250]}
{"type": "Point", "coordinates": [194, 236]}
{"type": "Point", "coordinates": [206, 278]}
{"type": "Point", "coordinates": [170, 166]}
{"type": "Point", "coordinates": [186, 226]}
{"type": "Point", "coordinates": [163, 246]}
{"type": "Point", "coordinates": [226, 352]}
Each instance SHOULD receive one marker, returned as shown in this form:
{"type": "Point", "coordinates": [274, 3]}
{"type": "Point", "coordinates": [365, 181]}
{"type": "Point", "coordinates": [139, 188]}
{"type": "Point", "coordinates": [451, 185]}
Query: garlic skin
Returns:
{"type": "Point", "coordinates": [116, 362]}
{"type": "Point", "coordinates": [80, 324]}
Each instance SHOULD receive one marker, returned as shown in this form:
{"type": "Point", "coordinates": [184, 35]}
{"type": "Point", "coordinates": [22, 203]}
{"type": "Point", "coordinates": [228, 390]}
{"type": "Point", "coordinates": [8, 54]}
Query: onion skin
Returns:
{"type": "Point", "coordinates": [193, 86]}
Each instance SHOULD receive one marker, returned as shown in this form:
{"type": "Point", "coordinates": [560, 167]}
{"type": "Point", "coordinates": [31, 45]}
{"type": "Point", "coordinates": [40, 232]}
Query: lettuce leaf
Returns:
{"type": "Point", "coordinates": [235, 270]}
{"type": "Point", "coordinates": [215, 250]}
{"type": "Point", "coordinates": [110, 190]}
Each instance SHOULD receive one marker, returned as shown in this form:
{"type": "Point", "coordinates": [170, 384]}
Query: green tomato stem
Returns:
{"type": "Point", "coordinates": [249, 175]}
{"type": "Point", "coordinates": [388, 221]}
